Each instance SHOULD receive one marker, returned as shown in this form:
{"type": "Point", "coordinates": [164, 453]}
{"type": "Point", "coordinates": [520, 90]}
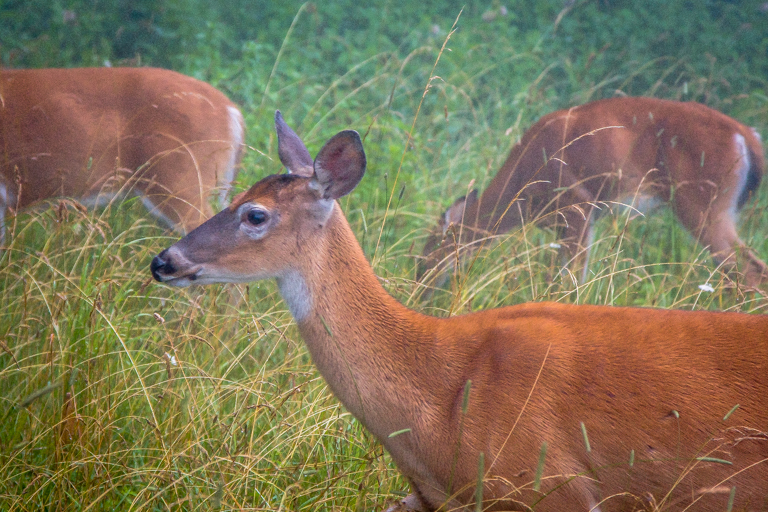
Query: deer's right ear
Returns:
{"type": "Point", "coordinates": [471, 198]}
{"type": "Point", "coordinates": [292, 151]}
{"type": "Point", "coordinates": [455, 214]}
{"type": "Point", "coordinates": [340, 165]}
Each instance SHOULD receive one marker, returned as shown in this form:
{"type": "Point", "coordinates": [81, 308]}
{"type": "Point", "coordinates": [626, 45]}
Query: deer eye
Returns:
{"type": "Point", "coordinates": [256, 217]}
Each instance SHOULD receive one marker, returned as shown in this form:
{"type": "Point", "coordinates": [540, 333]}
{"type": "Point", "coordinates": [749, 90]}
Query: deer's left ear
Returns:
{"type": "Point", "coordinates": [340, 165]}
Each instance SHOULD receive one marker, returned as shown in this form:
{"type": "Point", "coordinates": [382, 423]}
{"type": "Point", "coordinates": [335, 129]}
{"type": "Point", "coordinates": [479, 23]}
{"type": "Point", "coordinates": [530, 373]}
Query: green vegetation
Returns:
{"type": "Point", "coordinates": [117, 393]}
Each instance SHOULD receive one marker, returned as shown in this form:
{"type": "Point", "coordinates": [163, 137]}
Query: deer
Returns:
{"type": "Point", "coordinates": [635, 151]}
{"type": "Point", "coordinates": [95, 134]}
{"type": "Point", "coordinates": [538, 406]}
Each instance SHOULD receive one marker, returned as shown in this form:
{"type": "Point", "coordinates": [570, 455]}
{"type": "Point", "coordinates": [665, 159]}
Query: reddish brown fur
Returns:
{"type": "Point", "coordinates": [93, 132]}
{"type": "Point", "coordinates": [619, 149]}
{"type": "Point", "coordinates": [654, 382]}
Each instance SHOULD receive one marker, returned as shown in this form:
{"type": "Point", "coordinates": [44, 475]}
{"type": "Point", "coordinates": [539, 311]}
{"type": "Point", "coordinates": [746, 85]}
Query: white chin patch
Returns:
{"type": "Point", "coordinates": [181, 282]}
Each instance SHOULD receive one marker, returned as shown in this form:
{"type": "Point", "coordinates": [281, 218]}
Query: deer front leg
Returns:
{"type": "Point", "coordinates": [576, 233]}
{"type": "Point", "coordinates": [755, 269]}
{"type": "Point", "coordinates": [411, 503]}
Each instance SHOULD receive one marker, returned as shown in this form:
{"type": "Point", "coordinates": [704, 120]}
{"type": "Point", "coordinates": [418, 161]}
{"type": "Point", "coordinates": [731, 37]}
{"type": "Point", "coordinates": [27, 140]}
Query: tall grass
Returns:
{"type": "Point", "coordinates": [117, 393]}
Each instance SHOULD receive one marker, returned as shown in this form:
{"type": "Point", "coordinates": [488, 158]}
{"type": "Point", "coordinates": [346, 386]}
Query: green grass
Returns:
{"type": "Point", "coordinates": [95, 414]}
{"type": "Point", "coordinates": [237, 420]}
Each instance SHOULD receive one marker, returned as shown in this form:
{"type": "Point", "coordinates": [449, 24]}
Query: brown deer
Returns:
{"type": "Point", "coordinates": [95, 133]}
{"type": "Point", "coordinates": [556, 407]}
{"type": "Point", "coordinates": [638, 151]}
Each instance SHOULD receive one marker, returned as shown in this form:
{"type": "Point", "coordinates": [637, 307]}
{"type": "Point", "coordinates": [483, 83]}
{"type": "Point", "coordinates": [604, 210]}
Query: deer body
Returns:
{"type": "Point", "coordinates": [651, 386]}
{"type": "Point", "coordinates": [97, 133]}
{"type": "Point", "coordinates": [636, 151]}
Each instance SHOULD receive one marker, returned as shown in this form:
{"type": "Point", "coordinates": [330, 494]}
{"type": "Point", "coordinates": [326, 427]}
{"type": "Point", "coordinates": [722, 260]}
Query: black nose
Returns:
{"type": "Point", "coordinates": [160, 266]}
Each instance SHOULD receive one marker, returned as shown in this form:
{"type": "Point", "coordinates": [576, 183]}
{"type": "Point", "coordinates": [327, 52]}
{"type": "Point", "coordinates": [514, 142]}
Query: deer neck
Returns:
{"type": "Point", "coordinates": [365, 344]}
{"type": "Point", "coordinates": [491, 214]}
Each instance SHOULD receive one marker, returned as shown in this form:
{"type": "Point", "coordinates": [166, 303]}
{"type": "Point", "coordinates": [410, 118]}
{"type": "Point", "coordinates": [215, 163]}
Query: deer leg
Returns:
{"type": "Point", "coordinates": [755, 269]}
{"type": "Point", "coordinates": [184, 212]}
{"type": "Point", "coordinates": [411, 503]}
{"type": "Point", "coordinates": [715, 227]}
{"type": "Point", "coordinates": [576, 235]}
{"type": "Point", "coordinates": [730, 251]}
{"type": "Point", "coordinates": [180, 201]}
{"type": "Point", "coordinates": [3, 208]}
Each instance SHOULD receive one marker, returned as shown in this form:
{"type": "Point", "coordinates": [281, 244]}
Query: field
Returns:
{"type": "Point", "coordinates": [118, 393]}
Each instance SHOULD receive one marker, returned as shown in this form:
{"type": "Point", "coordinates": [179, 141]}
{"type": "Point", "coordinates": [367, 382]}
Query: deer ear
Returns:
{"type": "Point", "coordinates": [471, 197]}
{"type": "Point", "coordinates": [455, 214]}
{"type": "Point", "coordinates": [340, 165]}
{"type": "Point", "coordinates": [292, 151]}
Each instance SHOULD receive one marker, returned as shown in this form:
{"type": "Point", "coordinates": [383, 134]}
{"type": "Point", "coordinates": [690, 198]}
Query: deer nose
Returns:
{"type": "Point", "coordinates": [162, 265]}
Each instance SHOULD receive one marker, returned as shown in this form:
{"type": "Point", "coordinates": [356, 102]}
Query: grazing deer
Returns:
{"type": "Point", "coordinates": [556, 407]}
{"type": "Point", "coordinates": [637, 151]}
{"type": "Point", "coordinates": [97, 133]}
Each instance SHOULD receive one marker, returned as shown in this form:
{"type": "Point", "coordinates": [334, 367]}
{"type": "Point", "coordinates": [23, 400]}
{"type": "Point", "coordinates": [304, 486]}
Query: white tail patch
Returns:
{"type": "Point", "coordinates": [742, 172]}
{"type": "Point", "coordinates": [237, 134]}
{"type": "Point", "coordinates": [3, 206]}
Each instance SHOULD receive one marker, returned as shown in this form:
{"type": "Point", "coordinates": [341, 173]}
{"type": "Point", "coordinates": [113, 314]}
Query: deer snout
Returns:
{"type": "Point", "coordinates": [162, 266]}
{"type": "Point", "coordinates": [172, 267]}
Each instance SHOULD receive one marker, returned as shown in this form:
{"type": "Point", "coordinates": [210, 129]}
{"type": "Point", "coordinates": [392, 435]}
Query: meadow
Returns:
{"type": "Point", "coordinates": [118, 393]}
